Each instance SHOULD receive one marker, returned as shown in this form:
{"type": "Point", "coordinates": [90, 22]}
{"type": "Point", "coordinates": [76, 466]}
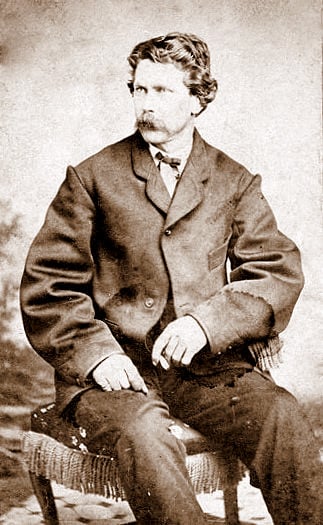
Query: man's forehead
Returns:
{"type": "Point", "coordinates": [152, 72]}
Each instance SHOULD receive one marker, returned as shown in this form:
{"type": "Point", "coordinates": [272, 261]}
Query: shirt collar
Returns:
{"type": "Point", "coordinates": [182, 154]}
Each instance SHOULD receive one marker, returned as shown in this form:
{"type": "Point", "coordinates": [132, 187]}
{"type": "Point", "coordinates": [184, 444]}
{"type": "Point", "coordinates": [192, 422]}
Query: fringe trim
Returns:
{"type": "Point", "coordinates": [94, 474]}
{"type": "Point", "coordinates": [85, 472]}
{"type": "Point", "coordinates": [267, 353]}
{"type": "Point", "coordinates": [210, 472]}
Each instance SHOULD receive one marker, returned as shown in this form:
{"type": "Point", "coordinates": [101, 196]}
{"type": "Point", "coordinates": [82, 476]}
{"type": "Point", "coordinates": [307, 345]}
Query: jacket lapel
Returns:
{"type": "Point", "coordinates": [190, 190]}
{"type": "Point", "coordinates": [145, 168]}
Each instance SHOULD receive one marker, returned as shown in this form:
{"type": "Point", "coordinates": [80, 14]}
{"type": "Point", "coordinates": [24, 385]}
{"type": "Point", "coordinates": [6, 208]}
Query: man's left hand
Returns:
{"type": "Point", "coordinates": [178, 343]}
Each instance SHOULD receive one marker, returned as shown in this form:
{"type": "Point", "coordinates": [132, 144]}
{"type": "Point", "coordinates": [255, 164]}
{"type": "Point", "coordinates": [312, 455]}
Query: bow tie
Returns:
{"type": "Point", "coordinates": [174, 162]}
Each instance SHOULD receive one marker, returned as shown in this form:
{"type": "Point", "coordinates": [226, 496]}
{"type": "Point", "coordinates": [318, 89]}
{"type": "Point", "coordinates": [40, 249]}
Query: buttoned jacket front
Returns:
{"type": "Point", "coordinates": [113, 248]}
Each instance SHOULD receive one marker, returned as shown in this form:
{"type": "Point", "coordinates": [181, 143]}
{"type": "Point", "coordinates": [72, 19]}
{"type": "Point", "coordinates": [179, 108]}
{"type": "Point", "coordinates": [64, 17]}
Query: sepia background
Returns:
{"type": "Point", "coordinates": [63, 96]}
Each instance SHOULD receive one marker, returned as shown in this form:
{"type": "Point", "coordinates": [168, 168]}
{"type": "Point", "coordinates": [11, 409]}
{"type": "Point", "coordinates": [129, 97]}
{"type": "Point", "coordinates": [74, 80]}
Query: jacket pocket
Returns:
{"type": "Point", "coordinates": [217, 256]}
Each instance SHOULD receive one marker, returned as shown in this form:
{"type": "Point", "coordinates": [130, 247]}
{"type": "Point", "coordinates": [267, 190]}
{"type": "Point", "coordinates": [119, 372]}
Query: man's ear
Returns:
{"type": "Point", "coordinates": [196, 106]}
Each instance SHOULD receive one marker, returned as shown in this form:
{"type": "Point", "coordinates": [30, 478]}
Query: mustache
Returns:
{"type": "Point", "coordinates": [147, 121]}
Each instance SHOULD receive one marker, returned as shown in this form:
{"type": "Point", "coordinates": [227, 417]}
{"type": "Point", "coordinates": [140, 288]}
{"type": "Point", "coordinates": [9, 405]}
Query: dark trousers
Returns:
{"type": "Point", "coordinates": [246, 415]}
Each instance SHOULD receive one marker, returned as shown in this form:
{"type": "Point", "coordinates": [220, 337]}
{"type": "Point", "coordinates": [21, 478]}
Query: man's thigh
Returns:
{"type": "Point", "coordinates": [106, 416]}
{"type": "Point", "coordinates": [232, 414]}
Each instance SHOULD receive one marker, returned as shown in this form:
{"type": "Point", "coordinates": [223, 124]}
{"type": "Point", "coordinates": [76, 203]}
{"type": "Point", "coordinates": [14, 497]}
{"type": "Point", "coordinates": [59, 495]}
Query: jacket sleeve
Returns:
{"type": "Point", "coordinates": [265, 279]}
{"type": "Point", "coordinates": [57, 308]}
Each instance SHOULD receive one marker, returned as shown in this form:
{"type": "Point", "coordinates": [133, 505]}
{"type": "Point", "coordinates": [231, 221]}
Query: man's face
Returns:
{"type": "Point", "coordinates": [164, 107]}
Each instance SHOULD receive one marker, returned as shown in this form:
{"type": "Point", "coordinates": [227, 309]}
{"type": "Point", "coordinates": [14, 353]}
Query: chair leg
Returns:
{"type": "Point", "coordinates": [44, 494]}
{"type": "Point", "coordinates": [230, 496]}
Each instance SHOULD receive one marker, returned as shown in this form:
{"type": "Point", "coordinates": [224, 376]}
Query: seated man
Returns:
{"type": "Point", "coordinates": [126, 294]}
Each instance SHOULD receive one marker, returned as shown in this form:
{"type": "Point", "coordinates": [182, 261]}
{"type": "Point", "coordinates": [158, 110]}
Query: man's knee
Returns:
{"type": "Point", "coordinates": [109, 416]}
{"type": "Point", "coordinates": [149, 424]}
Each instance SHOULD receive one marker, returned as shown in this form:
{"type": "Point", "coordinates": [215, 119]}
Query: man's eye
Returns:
{"type": "Point", "coordinates": [139, 89]}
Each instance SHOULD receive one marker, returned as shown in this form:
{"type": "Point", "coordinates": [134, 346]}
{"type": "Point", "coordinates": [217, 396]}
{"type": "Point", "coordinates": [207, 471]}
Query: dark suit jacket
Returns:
{"type": "Point", "coordinates": [111, 247]}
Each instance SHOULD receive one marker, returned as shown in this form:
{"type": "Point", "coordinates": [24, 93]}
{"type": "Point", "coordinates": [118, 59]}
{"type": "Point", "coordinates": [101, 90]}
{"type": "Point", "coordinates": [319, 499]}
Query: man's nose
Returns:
{"type": "Point", "coordinates": [149, 101]}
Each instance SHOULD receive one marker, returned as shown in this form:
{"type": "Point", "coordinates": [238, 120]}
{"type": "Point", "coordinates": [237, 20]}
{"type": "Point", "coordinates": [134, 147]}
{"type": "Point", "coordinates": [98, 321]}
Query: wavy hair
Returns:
{"type": "Point", "coordinates": [187, 52]}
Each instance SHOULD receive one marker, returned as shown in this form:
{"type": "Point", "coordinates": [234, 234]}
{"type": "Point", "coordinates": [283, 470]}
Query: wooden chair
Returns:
{"type": "Point", "coordinates": [55, 450]}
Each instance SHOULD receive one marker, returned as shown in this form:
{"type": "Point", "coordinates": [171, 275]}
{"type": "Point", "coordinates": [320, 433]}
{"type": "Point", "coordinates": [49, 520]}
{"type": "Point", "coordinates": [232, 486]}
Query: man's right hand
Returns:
{"type": "Point", "coordinates": [117, 372]}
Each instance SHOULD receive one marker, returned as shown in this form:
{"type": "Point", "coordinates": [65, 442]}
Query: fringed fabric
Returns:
{"type": "Point", "coordinates": [82, 471]}
{"type": "Point", "coordinates": [210, 472]}
{"type": "Point", "coordinates": [267, 353]}
{"type": "Point", "coordinates": [90, 473]}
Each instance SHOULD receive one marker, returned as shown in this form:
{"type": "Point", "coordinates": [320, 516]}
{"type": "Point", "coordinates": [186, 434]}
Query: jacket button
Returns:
{"type": "Point", "coordinates": [149, 302]}
{"type": "Point", "coordinates": [168, 232]}
{"type": "Point", "coordinates": [234, 400]}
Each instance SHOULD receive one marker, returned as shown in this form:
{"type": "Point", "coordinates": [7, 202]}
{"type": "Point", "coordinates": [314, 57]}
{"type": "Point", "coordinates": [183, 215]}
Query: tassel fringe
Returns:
{"type": "Point", "coordinates": [85, 472]}
{"type": "Point", "coordinates": [94, 474]}
{"type": "Point", "coordinates": [267, 353]}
